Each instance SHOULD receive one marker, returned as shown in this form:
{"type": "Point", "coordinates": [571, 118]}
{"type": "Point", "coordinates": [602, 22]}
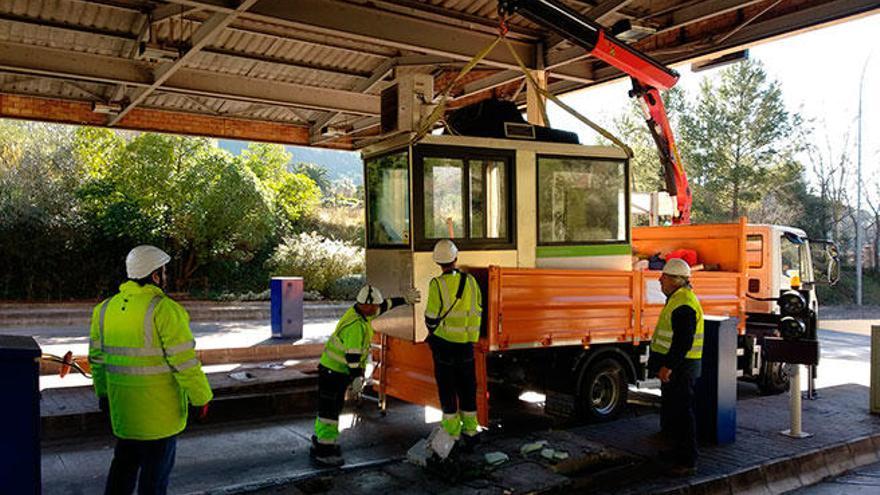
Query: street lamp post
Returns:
{"type": "Point", "coordinates": [859, 192]}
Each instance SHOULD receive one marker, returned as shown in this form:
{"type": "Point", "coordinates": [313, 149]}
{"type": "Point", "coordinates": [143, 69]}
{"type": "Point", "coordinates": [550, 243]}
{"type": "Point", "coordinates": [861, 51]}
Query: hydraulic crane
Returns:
{"type": "Point", "coordinates": [648, 76]}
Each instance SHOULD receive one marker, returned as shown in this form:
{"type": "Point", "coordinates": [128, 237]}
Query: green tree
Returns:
{"type": "Point", "coordinates": [317, 173]}
{"type": "Point", "coordinates": [738, 143]}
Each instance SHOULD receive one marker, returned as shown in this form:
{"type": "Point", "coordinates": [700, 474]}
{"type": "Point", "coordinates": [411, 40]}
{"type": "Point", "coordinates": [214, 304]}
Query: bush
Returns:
{"type": "Point", "coordinates": [346, 288]}
{"type": "Point", "coordinates": [343, 223]}
{"type": "Point", "coordinates": [320, 261]}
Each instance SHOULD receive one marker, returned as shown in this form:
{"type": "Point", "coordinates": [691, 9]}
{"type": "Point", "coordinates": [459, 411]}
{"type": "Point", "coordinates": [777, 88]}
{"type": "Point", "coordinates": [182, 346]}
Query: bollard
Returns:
{"type": "Point", "coordinates": [794, 403]}
{"type": "Point", "coordinates": [875, 369]}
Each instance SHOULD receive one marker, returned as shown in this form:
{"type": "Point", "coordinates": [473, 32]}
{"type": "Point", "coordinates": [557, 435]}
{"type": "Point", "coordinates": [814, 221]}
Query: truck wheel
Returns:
{"type": "Point", "coordinates": [603, 390]}
{"type": "Point", "coordinates": [774, 378]}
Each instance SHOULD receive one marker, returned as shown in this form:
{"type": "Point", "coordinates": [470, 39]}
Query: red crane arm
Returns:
{"type": "Point", "coordinates": [648, 75]}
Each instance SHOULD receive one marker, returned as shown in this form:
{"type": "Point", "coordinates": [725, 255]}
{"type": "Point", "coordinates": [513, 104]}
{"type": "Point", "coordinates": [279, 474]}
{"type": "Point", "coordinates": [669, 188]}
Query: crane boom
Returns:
{"type": "Point", "coordinates": [648, 77]}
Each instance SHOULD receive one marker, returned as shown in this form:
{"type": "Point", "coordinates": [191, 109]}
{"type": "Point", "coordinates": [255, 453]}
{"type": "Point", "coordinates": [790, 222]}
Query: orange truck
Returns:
{"type": "Point", "coordinates": [546, 229]}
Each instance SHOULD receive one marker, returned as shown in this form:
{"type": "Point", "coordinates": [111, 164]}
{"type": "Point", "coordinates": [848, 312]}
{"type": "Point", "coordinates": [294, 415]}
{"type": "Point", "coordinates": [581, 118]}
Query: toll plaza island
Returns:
{"type": "Point", "coordinates": [502, 263]}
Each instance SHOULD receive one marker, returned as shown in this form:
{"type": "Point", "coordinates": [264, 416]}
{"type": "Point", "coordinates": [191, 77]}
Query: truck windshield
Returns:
{"type": "Point", "coordinates": [795, 260]}
{"type": "Point", "coordinates": [387, 184]}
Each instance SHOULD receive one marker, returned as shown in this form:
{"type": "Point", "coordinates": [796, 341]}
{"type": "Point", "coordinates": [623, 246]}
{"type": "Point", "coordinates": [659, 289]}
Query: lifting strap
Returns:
{"type": "Point", "coordinates": [428, 123]}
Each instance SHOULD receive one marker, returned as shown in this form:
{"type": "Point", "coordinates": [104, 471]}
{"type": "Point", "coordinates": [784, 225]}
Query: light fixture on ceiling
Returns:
{"type": "Point", "coordinates": [107, 108]}
{"type": "Point", "coordinates": [626, 31]}
{"type": "Point", "coordinates": [157, 53]}
{"type": "Point", "coordinates": [721, 61]}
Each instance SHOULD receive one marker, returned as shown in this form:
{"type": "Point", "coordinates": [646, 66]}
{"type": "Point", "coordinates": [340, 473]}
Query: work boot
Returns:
{"type": "Point", "coordinates": [467, 443]}
{"type": "Point", "coordinates": [325, 455]}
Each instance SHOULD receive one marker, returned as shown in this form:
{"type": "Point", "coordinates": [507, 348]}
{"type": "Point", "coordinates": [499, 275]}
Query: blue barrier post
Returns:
{"type": "Point", "coordinates": [716, 387]}
{"type": "Point", "coordinates": [20, 419]}
{"type": "Point", "coordinates": [287, 307]}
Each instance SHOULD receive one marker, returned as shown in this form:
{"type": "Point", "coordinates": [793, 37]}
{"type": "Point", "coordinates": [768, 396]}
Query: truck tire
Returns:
{"type": "Point", "coordinates": [602, 390]}
{"type": "Point", "coordinates": [774, 378]}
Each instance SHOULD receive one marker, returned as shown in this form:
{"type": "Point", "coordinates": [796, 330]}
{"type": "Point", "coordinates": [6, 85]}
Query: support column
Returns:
{"type": "Point", "coordinates": [534, 100]}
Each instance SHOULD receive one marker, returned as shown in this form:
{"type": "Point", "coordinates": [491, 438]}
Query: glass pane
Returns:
{"type": "Point", "coordinates": [488, 199]}
{"type": "Point", "coordinates": [444, 208]}
{"type": "Point", "coordinates": [581, 200]}
{"type": "Point", "coordinates": [388, 199]}
{"type": "Point", "coordinates": [755, 250]}
{"type": "Point", "coordinates": [478, 199]}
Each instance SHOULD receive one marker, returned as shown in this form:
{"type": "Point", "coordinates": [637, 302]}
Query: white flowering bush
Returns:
{"type": "Point", "coordinates": [318, 260]}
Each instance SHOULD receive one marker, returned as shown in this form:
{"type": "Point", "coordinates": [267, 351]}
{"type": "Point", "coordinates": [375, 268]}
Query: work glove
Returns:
{"type": "Point", "coordinates": [357, 386]}
{"type": "Point", "coordinates": [199, 413]}
{"type": "Point", "coordinates": [412, 296]}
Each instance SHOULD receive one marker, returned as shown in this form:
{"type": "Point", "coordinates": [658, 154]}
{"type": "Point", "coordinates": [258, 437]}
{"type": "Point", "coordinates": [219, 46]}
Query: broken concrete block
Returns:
{"type": "Point", "coordinates": [496, 458]}
{"type": "Point", "coordinates": [441, 442]}
{"type": "Point", "coordinates": [419, 453]}
{"type": "Point", "coordinates": [532, 447]}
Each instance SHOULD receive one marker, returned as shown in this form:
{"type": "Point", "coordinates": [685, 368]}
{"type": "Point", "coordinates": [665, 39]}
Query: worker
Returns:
{"type": "Point", "coordinates": [342, 365]}
{"type": "Point", "coordinates": [676, 351]}
{"type": "Point", "coordinates": [145, 374]}
{"type": "Point", "coordinates": [452, 315]}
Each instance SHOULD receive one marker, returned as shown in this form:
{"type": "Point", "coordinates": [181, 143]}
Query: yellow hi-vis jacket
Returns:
{"type": "Point", "coordinates": [661, 342]}
{"type": "Point", "coordinates": [143, 359]}
{"type": "Point", "coordinates": [352, 336]}
{"type": "Point", "coordinates": [462, 323]}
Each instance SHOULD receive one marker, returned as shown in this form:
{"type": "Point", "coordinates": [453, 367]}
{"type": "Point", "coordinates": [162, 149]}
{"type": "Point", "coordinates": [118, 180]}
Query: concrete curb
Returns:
{"type": "Point", "coordinates": [781, 476]}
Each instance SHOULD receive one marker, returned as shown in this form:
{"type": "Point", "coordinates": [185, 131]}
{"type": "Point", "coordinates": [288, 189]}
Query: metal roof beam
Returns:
{"type": "Point", "coordinates": [200, 39]}
{"type": "Point", "coordinates": [62, 64]}
{"type": "Point", "coordinates": [359, 22]}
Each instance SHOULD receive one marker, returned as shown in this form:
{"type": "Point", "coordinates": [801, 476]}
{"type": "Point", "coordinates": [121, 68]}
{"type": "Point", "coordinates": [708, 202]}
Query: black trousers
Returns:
{"type": "Point", "coordinates": [677, 412]}
{"type": "Point", "coordinates": [153, 459]}
{"type": "Point", "coordinates": [455, 375]}
{"type": "Point", "coordinates": [331, 392]}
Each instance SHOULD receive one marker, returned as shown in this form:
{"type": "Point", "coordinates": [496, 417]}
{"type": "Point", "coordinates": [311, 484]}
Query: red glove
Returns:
{"type": "Point", "coordinates": [199, 413]}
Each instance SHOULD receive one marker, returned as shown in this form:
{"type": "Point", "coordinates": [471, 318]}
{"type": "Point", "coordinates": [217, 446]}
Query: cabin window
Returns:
{"type": "Point", "coordinates": [581, 201]}
{"type": "Point", "coordinates": [755, 250]}
{"type": "Point", "coordinates": [388, 200]}
{"type": "Point", "coordinates": [465, 196]}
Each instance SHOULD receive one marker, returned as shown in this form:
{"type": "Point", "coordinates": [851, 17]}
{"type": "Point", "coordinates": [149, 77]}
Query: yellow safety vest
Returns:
{"type": "Point", "coordinates": [353, 335]}
{"type": "Point", "coordinates": [462, 323]}
{"type": "Point", "coordinates": [143, 359]}
{"type": "Point", "coordinates": [662, 339]}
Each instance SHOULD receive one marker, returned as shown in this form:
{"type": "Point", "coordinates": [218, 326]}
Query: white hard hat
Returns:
{"type": "Point", "coordinates": [143, 260]}
{"type": "Point", "coordinates": [369, 295]}
{"type": "Point", "coordinates": [445, 252]}
{"type": "Point", "coordinates": [677, 267]}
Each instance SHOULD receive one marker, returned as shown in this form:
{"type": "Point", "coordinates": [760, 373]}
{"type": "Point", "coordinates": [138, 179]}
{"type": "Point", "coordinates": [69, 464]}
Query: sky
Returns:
{"type": "Point", "coordinates": [819, 72]}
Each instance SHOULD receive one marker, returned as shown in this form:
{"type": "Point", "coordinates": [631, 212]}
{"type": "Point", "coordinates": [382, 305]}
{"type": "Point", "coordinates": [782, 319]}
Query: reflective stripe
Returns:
{"type": "Point", "coordinates": [327, 441]}
{"type": "Point", "coordinates": [469, 413]}
{"type": "Point", "coordinates": [354, 350]}
{"type": "Point", "coordinates": [354, 365]}
{"type": "Point", "coordinates": [184, 365]}
{"type": "Point", "coordinates": [182, 347]}
{"type": "Point", "coordinates": [328, 421]}
{"type": "Point", "coordinates": [138, 370]}
{"type": "Point", "coordinates": [336, 357]}
{"type": "Point", "coordinates": [448, 416]}
{"type": "Point", "coordinates": [444, 293]}
{"type": "Point", "coordinates": [148, 321]}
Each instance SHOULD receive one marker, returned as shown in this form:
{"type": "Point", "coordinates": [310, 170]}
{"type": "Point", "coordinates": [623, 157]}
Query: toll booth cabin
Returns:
{"type": "Point", "coordinates": [545, 229]}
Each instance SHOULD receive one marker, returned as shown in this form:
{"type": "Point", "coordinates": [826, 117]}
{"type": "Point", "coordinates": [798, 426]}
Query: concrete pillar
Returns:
{"type": "Point", "coordinates": [875, 369]}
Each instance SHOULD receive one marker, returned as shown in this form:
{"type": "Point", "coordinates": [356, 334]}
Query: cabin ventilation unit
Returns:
{"type": "Point", "coordinates": [406, 102]}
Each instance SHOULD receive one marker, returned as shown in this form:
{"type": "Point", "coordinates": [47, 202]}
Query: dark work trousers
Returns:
{"type": "Point", "coordinates": [331, 392]}
{"type": "Point", "coordinates": [455, 375]}
{"type": "Point", "coordinates": [153, 458]}
{"type": "Point", "coordinates": [677, 416]}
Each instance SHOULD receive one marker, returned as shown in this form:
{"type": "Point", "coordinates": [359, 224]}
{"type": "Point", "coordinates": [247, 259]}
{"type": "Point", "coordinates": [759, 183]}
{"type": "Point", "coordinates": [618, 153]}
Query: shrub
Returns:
{"type": "Point", "coordinates": [320, 261]}
{"type": "Point", "coordinates": [346, 288]}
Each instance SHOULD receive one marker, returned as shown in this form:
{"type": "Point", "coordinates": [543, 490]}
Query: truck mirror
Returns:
{"type": "Point", "coordinates": [833, 270]}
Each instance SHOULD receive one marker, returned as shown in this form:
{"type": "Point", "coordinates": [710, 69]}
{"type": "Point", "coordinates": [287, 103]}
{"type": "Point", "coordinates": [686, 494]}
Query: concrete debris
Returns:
{"type": "Point", "coordinates": [532, 447]}
{"type": "Point", "coordinates": [419, 453]}
{"type": "Point", "coordinates": [441, 442]}
{"type": "Point", "coordinates": [496, 458]}
{"type": "Point", "coordinates": [554, 455]}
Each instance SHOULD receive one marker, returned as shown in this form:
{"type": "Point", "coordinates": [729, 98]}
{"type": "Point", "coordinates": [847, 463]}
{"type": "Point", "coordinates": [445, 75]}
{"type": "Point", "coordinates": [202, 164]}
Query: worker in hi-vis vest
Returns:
{"type": "Point", "coordinates": [676, 351]}
{"type": "Point", "coordinates": [146, 374]}
{"type": "Point", "coordinates": [343, 363]}
{"type": "Point", "coordinates": [452, 315]}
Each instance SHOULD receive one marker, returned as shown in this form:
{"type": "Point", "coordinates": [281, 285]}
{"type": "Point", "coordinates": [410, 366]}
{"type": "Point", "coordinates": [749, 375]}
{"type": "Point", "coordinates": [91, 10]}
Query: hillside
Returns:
{"type": "Point", "coordinates": [339, 164]}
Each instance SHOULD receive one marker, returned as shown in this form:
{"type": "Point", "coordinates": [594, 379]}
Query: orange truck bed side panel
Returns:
{"type": "Point", "coordinates": [409, 375]}
{"type": "Point", "coordinates": [722, 244]}
{"type": "Point", "coordinates": [537, 307]}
